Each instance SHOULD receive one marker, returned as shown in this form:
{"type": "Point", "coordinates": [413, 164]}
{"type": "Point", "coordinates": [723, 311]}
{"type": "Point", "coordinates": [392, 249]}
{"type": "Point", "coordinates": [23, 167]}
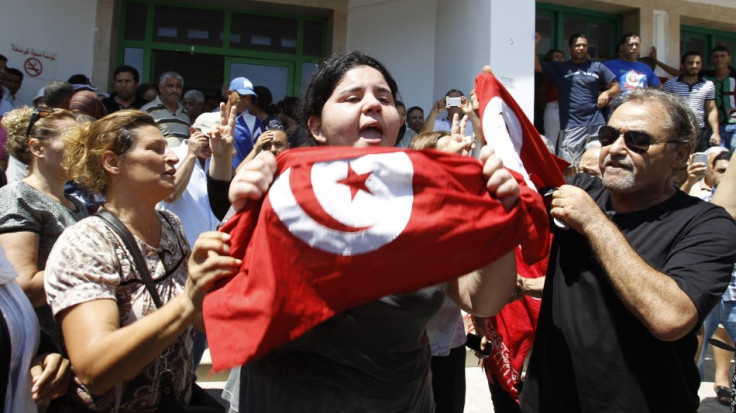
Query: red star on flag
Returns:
{"type": "Point", "coordinates": [355, 182]}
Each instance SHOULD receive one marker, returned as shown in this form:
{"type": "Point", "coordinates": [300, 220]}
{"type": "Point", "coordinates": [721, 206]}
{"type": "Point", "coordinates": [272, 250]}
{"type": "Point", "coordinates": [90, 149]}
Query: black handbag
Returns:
{"type": "Point", "coordinates": [201, 401]}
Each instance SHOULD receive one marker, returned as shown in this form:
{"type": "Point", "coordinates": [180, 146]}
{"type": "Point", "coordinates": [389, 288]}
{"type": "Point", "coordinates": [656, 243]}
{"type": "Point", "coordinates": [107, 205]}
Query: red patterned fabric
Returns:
{"type": "Point", "coordinates": [505, 127]}
{"type": "Point", "coordinates": [344, 226]}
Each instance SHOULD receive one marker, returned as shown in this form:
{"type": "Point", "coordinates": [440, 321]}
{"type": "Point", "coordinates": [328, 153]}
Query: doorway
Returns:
{"type": "Point", "coordinates": [203, 72]}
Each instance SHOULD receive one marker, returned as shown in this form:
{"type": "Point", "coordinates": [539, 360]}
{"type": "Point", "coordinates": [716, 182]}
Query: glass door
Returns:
{"type": "Point", "coordinates": [277, 76]}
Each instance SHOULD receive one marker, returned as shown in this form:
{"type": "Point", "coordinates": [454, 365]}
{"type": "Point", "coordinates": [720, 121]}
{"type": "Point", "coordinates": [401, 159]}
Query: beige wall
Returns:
{"type": "Point", "coordinates": [108, 18]}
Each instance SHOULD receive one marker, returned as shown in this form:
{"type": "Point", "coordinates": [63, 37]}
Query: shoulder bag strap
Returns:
{"type": "Point", "coordinates": [129, 242]}
{"type": "Point", "coordinates": [5, 349]}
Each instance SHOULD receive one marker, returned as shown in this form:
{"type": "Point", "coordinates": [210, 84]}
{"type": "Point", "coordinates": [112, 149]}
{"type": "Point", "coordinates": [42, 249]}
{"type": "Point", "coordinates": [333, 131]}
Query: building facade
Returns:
{"type": "Point", "coordinates": [430, 46]}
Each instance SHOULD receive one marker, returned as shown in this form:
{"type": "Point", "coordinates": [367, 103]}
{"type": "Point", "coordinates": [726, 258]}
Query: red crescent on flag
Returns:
{"type": "Point", "coordinates": [314, 200]}
{"type": "Point", "coordinates": [311, 205]}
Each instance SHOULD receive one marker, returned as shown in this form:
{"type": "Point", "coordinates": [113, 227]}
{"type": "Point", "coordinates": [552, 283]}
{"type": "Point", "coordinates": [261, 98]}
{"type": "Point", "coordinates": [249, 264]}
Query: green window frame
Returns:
{"type": "Point", "coordinates": [551, 24]}
{"type": "Point", "coordinates": [143, 46]}
{"type": "Point", "coordinates": [704, 40]}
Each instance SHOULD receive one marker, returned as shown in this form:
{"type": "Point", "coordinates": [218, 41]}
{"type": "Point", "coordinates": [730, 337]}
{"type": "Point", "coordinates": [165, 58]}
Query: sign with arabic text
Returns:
{"type": "Point", "coordinates": [35, 63]}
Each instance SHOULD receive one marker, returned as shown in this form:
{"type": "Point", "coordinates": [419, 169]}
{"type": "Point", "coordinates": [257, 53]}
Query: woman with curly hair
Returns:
{"type": "Point", "coordinates": [33, 214]}
{"type": "Point", "coordinates": [127, 323]}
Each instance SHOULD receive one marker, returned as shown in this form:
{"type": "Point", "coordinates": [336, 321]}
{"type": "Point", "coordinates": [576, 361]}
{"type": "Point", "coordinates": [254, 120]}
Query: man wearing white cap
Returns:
{"type": "Point", "coordinates": [247, 126]}
{"type": "Point", "coordinates": [38, 100]}
{"type": "Point", "coordinates": [189, 200]}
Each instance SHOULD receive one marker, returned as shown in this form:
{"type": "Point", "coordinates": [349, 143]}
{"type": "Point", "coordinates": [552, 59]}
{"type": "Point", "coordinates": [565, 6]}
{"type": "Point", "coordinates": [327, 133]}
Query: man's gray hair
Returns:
{"type": "Point", "coordinates": [195, 94]}
{"type": "Point", "coordinates": [164, 75]}
{"type": "Point", "coordinates": [682, 125]}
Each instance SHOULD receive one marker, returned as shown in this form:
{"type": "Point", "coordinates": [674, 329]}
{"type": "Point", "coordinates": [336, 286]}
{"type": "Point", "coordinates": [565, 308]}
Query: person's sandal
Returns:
{"type": "Point", "coordinates": [723, 394]}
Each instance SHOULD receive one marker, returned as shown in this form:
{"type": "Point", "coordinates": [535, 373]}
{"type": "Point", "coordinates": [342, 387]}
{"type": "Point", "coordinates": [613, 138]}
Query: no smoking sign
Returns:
{"type": "Point", "coordinates": [33, 67]}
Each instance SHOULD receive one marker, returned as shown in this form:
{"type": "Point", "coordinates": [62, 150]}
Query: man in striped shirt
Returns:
{"type": "Point", "coordinates": [171, 117]}
{"type": "Point", "coordinates": [700, 93]}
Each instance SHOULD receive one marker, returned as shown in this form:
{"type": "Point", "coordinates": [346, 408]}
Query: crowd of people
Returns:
{"type": "Point", "coordinates": [110, 205]}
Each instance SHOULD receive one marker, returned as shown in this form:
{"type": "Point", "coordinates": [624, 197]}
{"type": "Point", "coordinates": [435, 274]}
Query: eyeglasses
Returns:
{"type": "Point", "coordinates": [637, 141]}
{"type": "Point", "coordinates": [38, 113]}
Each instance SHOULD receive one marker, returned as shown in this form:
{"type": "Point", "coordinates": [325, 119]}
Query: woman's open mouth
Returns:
{"type": "Point", "coordinates": [371, 134]}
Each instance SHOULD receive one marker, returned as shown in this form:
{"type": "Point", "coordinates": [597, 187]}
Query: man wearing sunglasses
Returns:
{"type": "Point", "coordinates": [630, 279]}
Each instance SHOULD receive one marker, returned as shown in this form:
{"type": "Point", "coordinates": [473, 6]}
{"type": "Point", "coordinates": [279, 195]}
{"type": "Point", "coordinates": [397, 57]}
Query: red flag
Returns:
{"type": "Point", "coordinates": [343, 226]}
{"type": "Point", "coordinates": [517, 142]}
{"type": "Point", "coordinates": [514, 137]}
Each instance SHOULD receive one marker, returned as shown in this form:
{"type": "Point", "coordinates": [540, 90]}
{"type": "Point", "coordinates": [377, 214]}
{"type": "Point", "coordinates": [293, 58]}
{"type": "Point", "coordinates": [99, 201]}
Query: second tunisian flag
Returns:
{"type": "Point", "coordinates": [505, 126]}
{"type": "Point", "coordinates": [344, 226]}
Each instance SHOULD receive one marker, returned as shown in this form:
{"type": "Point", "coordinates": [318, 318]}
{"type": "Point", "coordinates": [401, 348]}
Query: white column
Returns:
{"type": "Point", "coordinates": [512, 26]}
{"type": "Point", "coordinates": [659, 40]}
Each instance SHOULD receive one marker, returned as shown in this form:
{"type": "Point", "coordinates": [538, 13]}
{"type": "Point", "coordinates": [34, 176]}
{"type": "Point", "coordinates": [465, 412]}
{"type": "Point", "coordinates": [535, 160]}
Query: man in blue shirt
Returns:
{"type": "Point", "coordinates": [631, 73]}
{"type": "Point", "coordinates": [579, 81]}
{"type": "Point", "coordinates": [247, 126]}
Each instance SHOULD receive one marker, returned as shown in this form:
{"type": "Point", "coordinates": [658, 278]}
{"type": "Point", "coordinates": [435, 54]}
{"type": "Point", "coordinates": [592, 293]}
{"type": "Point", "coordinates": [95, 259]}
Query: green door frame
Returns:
{"type": "Point", "coordinates": [709, 36]}
{"type": "Point", "coordinates": [293, 61]}
{"type": "Point", "coordinates": [558, 13]}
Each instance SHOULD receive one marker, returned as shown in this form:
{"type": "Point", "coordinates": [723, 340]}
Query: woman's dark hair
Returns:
{"type": "Point", "coordinates": [143, 88]}
{"type": "Point", "coordinates": [264, 100]}
{"type": "Point", "coordinates": [331, 73]}
{"type": "Point", "coordinates": [291, 106]}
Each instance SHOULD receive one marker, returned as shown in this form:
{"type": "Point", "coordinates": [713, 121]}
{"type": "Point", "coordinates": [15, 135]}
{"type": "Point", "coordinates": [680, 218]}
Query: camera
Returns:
{"type": "Point", "coordinates": [452, 101]}
{"type": "Point", "coordinates": [700, 157]}
{"type": "Point", "coordinates": [206, 131]}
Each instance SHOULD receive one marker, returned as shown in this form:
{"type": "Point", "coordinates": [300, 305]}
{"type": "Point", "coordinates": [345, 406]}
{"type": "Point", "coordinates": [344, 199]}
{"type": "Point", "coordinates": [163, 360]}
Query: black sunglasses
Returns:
{"type": "Point", "coordinates": [637, 141]}
{"type": "Point", "coordinates": [38, 113]}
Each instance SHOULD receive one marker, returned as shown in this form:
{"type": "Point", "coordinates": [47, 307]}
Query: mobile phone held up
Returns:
{"type": "Point", "coordinates": [473, 343]}
{"type": "Point", "coordinates": [700, 157]}
{"type": "Point", "coordinates": [452, 101]}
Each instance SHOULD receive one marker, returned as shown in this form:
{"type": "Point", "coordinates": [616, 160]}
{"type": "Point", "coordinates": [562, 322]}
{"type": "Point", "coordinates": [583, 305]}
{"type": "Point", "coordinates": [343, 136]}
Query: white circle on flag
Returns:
{"type": "Point", "coordinates": [375, 217]}
{"type": "Point", "coordinates": [504, 133]}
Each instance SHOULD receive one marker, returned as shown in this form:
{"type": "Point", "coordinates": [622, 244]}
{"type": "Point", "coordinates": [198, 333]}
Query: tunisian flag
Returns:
{"type": "Point", "coordinates": [341, 227]}
{"type": "Point", "coordinates": [505, 126]}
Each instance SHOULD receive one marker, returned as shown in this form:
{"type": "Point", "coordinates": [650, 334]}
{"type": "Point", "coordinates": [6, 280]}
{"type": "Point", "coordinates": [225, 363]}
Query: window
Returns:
{"type": "Point", "coordinates": [704, 40]}
{"type": "Point", "coordinates": [314, 38]}
{"type": "Point", "coordinates": [180, 25]}
{"type": "Point", "coordinates": [135, 21]}
{"type": "Point", "coordinates": [159, 34]}
{"type": "Point", "coordinates": [556, 24]}
{"type": "Point", "coordinates": [263, 33]}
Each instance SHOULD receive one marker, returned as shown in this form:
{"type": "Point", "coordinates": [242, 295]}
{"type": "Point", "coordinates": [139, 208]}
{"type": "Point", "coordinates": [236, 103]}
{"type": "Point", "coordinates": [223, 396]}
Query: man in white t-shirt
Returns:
{"type": "Point", "coordinates": [190, 201]}
{"type": "Point", "coordinates": [453, 103]}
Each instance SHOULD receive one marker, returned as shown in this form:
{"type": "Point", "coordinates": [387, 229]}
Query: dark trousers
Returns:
{"type": "Point", "coordinates": [502, 400]}
{"type": "Point", "coordinates": [448, 381]}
